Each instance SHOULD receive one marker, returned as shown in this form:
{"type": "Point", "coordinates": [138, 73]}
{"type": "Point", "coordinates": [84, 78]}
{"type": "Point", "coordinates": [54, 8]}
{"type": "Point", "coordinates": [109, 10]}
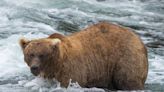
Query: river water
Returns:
{"type": "Point", "coordinates": [39, 18]}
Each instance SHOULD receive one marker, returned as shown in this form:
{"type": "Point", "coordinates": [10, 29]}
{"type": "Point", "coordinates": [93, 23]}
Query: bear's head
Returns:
{"type": "Point", "coordinates": [40, 54]}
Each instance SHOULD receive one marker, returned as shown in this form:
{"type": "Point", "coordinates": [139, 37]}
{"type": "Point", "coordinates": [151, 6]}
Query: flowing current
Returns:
{"type": "Point", "coordinates": [39, 18]}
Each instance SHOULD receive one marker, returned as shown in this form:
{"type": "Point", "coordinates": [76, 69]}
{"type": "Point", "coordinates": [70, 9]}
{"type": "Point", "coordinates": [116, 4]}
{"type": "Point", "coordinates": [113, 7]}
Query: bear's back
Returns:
{"type": "Point", "coordinates": [104, 35]}
{"type": "Point", "coordinates": [109, 48]}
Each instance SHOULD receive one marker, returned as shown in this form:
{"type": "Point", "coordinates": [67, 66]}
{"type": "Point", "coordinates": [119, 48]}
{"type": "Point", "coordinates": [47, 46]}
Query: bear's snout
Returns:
{"type": "Point", "coordinates": [35, 70]}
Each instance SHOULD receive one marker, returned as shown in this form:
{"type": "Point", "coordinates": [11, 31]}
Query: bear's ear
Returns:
{"type": "Point", "coordinates": [23, 43]}
{"type": "Point", "coordinates": [55, 41]}
{"type": "Point", "coordinates": [56, 35]}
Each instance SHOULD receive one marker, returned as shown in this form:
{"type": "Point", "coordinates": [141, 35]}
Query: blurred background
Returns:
{"type": "Point", "coordinates": [39, 18]}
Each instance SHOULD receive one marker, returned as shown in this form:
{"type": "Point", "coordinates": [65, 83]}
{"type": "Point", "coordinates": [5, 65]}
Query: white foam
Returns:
{"type": "Point", "coordinates": [156, 71]}
{"type": "Point", "coordinates": [43, 85]}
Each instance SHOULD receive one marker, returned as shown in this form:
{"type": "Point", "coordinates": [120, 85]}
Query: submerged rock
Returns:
{"type": "Point", "coordinates": [148, 35]}
{"type": "Point", "coordinates": [68, 27]}
{"type": "Point", "coordinates": [156, 44]}
{"type": "Point", "coordinates": [100, 0]}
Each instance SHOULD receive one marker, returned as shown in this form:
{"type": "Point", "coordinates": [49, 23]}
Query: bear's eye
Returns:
{"type": "Point", "coordinates": [31, 55]}
{"type": "Point", "coordinates": [41, 56]}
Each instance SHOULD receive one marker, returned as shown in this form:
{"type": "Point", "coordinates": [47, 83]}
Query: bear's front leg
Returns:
{"type": "Point", "coordinates": [64, 81]}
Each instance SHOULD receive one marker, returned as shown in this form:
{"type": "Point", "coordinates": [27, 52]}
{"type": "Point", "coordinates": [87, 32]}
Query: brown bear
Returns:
{"type": "Point", "coordinates": [103, 55]}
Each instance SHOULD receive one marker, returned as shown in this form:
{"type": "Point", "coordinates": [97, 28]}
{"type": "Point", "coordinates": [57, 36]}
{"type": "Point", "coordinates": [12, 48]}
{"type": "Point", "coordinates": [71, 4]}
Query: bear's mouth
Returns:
{"type": "Point", "coordinates": [35, 72]}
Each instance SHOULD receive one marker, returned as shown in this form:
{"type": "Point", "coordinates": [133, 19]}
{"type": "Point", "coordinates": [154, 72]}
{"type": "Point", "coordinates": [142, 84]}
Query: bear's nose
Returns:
{"type": "Point", "coordinates": [35, 70]}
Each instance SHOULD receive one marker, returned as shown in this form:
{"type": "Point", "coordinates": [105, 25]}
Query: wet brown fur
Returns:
{"type": "Point", "coordinates": [103, 55]}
